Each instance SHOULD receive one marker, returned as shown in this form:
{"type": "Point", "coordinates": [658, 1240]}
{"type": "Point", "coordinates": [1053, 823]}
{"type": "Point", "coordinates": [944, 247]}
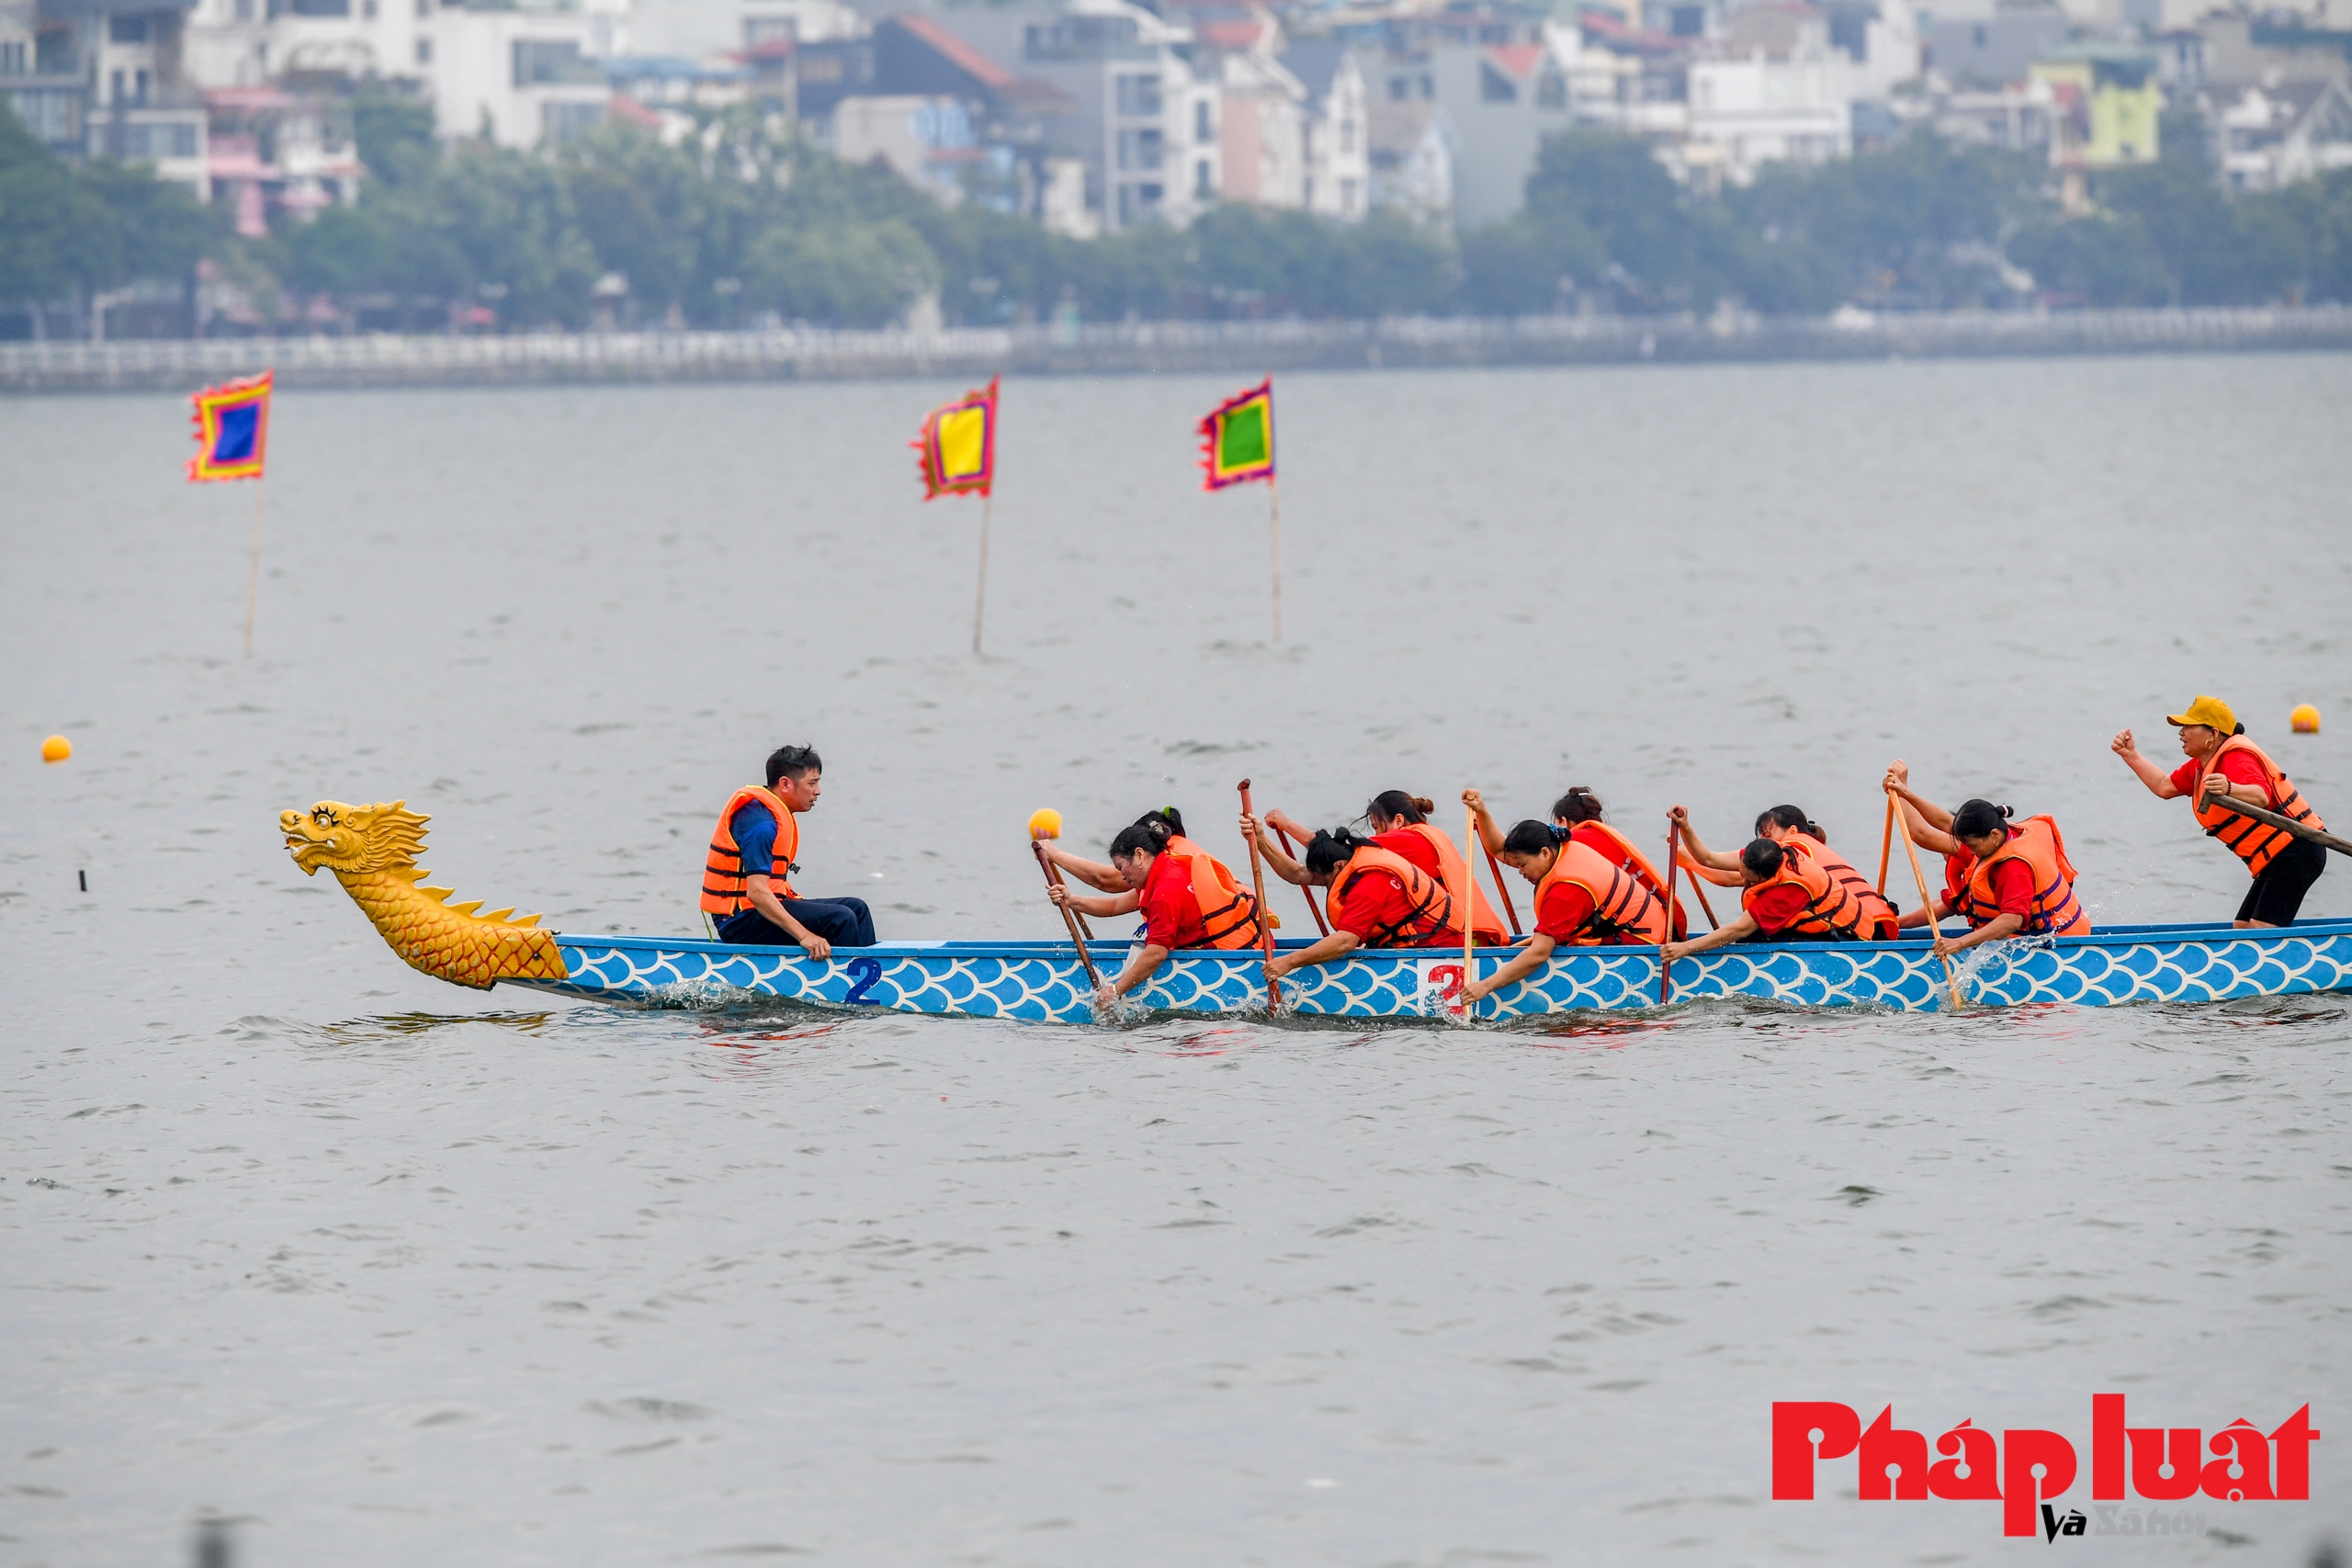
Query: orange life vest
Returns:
{"type": "Point", "coordinates": [2251, 842]}
{"type": "Point", "coordinates": [1622, 853]}
{"type": "Point", "coordinates": [1831, 912]}
{"type": "Point", "coordinates": [1841, 871]}
{"type": "Point", "coordinates": [1431, 907]}
{"type": "Point", "coordinates": [1228, 915]}
{"type": "Point", "coordinates": [2056, 911]}
{"type": "Point", "coordinates": [722, 869]}
{"type": "Point", "coordinates": [1623, 910]}
{"type": "Point", "coordinates": [1489, 925]}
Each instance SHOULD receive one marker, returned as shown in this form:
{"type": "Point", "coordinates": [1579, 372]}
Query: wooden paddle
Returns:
{"type": "Point", "coordinates": [1054, 876]}
{"type": "Point", "coordinates": [2284, 824]}
{"type": "Point", "coordinates": [1500, 885]}
{"type": "Point", "coordinates": [1928, 902]}
{"type": "Point", "coordinates": [1886, 842]}
{"type": "Point", "coordinates": [1313, 908]}
{"type": "Point", "coordinates": [1069, 917]}
{"type": "Point", "coordinates": [1469, 912]}
{"type": "Point", "coordinates": [1673, 866]}
{"type": "Point", "coordinates": [1265, 927]}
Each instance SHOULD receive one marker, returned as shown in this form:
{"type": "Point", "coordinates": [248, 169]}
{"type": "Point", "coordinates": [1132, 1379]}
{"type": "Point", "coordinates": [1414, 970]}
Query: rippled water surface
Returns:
{"type": "Point", "coordinates": [391, 1272]}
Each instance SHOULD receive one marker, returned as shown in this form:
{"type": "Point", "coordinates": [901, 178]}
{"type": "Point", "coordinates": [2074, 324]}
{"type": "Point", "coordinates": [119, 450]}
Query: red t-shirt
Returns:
{"type": "Point", "coordinates": [1415, 846]}
{"type": "Point", "coordinates": [2238, 767]}
{"type": "Point", "coordinates": [1172, 916]}
{"type": "Point", "coordinates": [1776, 906]}
{"type": "Point", "coordinates": [1564, 909]}
{"type": "Point", "coordinates": [2013, 887]}
{"type": "Point", "coordinates": [1376, 901]}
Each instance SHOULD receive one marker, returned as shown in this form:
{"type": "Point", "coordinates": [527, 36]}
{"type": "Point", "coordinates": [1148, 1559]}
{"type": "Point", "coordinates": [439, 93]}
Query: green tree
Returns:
{"type": "Point", "coordinates": [847, 272]}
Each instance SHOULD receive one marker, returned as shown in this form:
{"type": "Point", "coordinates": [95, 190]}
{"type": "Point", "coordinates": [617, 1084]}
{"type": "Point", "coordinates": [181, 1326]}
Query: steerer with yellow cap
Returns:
{"type": "Point", "coordinates": [2226, 772]}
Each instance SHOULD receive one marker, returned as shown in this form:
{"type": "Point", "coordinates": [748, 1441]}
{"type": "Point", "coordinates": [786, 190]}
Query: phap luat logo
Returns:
{"type": "Point", "coordinates": [2025, 1468]}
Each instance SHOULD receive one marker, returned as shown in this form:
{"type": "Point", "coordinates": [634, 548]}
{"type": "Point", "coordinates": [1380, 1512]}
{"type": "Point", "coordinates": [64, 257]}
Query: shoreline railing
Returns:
{"type": "Point", "coordinates": [383, 359]}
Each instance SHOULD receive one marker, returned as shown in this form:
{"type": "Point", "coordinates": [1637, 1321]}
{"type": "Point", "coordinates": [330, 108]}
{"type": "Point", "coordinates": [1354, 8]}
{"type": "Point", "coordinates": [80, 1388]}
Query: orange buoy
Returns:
{"type": "Point", "coordinates": [1045, 823]}
{"type": "Point", "coordinates": [2304, 720]}
{"type": "Point", "coordinates": [56, 749]}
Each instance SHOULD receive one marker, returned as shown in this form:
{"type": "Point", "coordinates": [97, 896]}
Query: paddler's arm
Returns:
{"type": "Point", "coordinates": [1101, 908]}
{"type": "Point", "coordinates": [1339, 945]}
{"type": "Point", "coordinates": [1279, 863]}
{"type": "Point", "coordinates": [1488, 830]}
{"type": "Point", "coordinates": [1140, 966]}
{"type": "Point", "coordinates": [1992, 929]}
{"type": "Point", "coordinates": [763, 899]}
{"type": "Point", "coordinates": [2159, 782]}
{"type": "Point", "coordinates": [1701, 857]}
{"type": "Point", "coordinates": [1929, 824]}
{"type": "Point", "coordinates": [1094, 872]}
{"type": "Point", "coordinates": [1920, 917]}
{"type": "Point", "coordinates": [1741, 925]}
{"type": "Point", "coordinates": [1533, 956]}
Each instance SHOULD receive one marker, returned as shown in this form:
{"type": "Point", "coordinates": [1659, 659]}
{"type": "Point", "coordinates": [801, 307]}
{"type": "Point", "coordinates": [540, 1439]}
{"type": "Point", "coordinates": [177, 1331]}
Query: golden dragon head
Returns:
{"type": "Point", "coordinates": [354, 837]}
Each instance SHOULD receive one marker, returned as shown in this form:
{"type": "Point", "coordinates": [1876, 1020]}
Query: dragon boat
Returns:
{"type": "Point", "coordinates": [372, 851]}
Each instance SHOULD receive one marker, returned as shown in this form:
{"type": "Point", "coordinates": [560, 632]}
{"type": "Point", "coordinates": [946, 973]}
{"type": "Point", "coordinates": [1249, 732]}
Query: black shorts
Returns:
{"type": "Point", "coordinates": [2279, 892]}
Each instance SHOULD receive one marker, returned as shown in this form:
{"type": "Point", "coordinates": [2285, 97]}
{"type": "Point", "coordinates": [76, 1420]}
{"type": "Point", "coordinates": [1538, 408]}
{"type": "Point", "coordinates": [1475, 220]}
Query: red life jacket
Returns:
{"type": "Point", "coordinates": [722, 868]}
{"type": "Point", "coordinates": [2251, 842]}
{"type": "Point", "coordinates": [2056, 911]}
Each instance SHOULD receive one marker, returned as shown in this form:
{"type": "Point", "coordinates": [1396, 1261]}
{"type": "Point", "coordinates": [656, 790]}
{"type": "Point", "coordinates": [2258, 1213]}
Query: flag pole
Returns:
{"type": "Point", "coordinates": [1274, 508]}
{"type": "Point", "coordinates": [980, 599]}
{"type": "Point", "coordinates": [253, 575]}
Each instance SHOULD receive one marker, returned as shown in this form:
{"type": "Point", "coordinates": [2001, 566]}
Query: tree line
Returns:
{"type": "Point", "coordinates": [748, 221]}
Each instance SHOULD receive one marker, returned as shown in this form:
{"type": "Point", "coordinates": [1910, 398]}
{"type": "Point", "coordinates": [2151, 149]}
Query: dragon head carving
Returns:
{"type": "Point", "coordinates": [354, 839]}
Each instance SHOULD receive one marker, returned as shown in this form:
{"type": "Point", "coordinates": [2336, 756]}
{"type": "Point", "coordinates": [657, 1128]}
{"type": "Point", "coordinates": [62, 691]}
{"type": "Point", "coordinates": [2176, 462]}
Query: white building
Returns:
{"type": "Point", "coordinates": [1338, 128]}
{"type": "Point", "coordinates": [2276, 135]}
{"type": "Point", "coordinates": [1262, 117]}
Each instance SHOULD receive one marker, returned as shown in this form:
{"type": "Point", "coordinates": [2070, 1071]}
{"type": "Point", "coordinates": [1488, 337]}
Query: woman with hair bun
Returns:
{"type": "Point", "coordinates": [1929, 826]}
{"type": "Point", "coordinates": [1094, 872]}
{"type": "Point", "coordinates": [1793, 830]}
{"type": "Point", "coordinates": [1189, 898]}
{"type": "Point", "coordinates": [1578, 814]}
{"type": "Point", "coordinates": [1379, 898]}
{"type": "Point", "coordinates": [1582, 900]}
{"type": "Point", "coordinates": [1785, 897]}
{"type": "Point", "coordinates": [1400, 824]}
{"type": "Point", "coordinates": [2022, 884]}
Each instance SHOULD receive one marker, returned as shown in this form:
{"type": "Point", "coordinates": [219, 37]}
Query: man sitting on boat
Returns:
{"type": "Point", "coordinates": [746, 881]}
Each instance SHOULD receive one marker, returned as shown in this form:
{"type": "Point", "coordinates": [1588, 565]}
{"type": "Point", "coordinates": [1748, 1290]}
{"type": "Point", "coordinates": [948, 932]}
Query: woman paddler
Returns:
{"type": "Point", "coordinates": [1102, 874]}
{"type": "Point", "coordinates": [1929, 826]}
{"type": "Point", "coordinates": [2021, 883]}
{"type": "Point", "coordinates": [1578, 815]}
{"type": "Point", "coordinates": [1786, 894]}
{"type": "Point", "coordinates": [1379, 898]}
{"type": "Point", "coordinates": [1582, 898]}
{"type": "Point", "coordinates": [2222, 761]}
{"type": "Point", "coordinates": [1188, 896]}
{"type": "Point", "coordinates": [1789, 827]}
{"type": "Point", "coordinates": [1400, 824]}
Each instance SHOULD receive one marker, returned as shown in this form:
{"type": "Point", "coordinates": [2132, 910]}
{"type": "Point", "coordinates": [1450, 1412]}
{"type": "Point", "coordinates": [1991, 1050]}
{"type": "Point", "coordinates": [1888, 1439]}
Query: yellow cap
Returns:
{"type": "Point", "coordinates": [1045, 823]}
{"type": "Point", "coordinates": [2212, 712]}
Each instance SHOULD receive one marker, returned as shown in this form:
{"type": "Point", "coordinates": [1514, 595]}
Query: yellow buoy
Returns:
{"type": "Point", "coordinates": [2304, 720]}
{"type": "Point", "coordinates": [1045, 823]}
{"type": "Point", "coordinates": [56, 749]}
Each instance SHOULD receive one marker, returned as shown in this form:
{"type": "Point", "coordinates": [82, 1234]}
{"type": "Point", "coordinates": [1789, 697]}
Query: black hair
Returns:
{"type": "Point", "coordinates": [1328, 849]}
{"type": "Point", "coordinates": [1792, 816]}
{"type": "Point", "coordinates": [1532, 838]}
{"type": "Point", "coordinates": [1396, 803]}
{"type": "Point", "coordinates": [1167, 814]}
{"type": "Point", "coordinates": [1148, 836]}
{"type": "Point", "coordinates": [2239, 731]}
{"type": "Point", "coordinates": [1762, 857]}
{"type": "Point", "coordinates": [1579, 805]}
{"type": "Point", "coordinates": [1977, 817]}
{"type": "Point", "coordinates": [793, 759]}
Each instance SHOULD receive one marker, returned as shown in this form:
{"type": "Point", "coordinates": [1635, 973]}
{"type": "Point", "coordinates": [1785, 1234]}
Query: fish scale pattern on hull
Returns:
{"type": "Point", "coordinates": [1046, 982]}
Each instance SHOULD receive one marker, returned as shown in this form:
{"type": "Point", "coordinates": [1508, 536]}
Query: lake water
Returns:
{"type": "Point", "coordinates": [390, 1272]}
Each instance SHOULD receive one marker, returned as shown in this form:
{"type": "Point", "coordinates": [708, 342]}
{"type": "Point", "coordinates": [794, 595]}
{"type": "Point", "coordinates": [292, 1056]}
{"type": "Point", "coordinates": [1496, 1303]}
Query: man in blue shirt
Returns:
{"type": "Point", "coordinates": [746, 885]}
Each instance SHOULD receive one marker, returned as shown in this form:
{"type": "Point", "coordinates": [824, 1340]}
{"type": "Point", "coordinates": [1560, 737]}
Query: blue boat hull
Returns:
{"type": "Point", "coordinates": [1043, 982]}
